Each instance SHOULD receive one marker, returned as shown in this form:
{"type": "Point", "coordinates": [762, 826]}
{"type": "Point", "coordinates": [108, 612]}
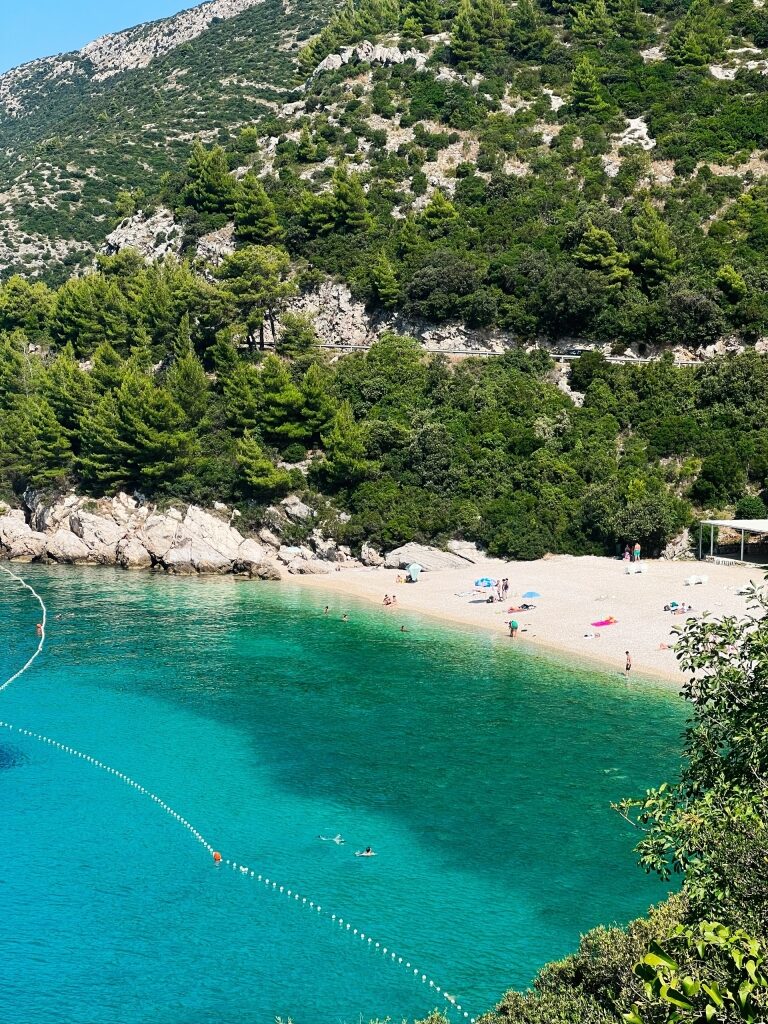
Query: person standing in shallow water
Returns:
{"type": "Point", "coordinates": [628, 664]}
{"type": "Point", "coordinates": [636, 552]}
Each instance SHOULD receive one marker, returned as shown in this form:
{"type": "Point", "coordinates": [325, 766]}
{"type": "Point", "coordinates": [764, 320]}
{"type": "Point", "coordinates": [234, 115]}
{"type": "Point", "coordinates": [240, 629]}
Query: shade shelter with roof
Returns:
{"type": "Point", "coordinates": [744, 527]}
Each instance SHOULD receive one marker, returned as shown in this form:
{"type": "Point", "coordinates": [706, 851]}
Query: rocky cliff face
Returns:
{"type": "Point", "coordinates": [112, 54]}
{"type": "Point", "coordinates": [123, 532]}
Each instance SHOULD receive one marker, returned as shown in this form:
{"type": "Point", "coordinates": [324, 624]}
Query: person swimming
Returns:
{"type": "Point", "coordinates": [367, 852]}
{"type": "Point", "coordinates": [39, 629]}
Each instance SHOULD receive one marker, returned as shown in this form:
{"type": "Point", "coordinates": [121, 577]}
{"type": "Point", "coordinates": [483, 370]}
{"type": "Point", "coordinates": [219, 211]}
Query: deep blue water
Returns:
{"type": "Point", "coordinates": [481, 774]}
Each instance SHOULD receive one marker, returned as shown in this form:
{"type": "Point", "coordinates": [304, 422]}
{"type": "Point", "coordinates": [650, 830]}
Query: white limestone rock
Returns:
{"type": "Point", "coordinates": [196, 556]}
{"type": "Point", "coordinates": [370, 556]}
{"type": "Point", "coordinates": [18, 540]}
{"type": "Point", "coordinates": [64, 546]}
{"type": "Point", "coordinates": [295, 509]}
{"type": "Point", "coordinates": [152, 236]}
{"type": "Point", "coordinates": [249, 556]}
{"type": "Point", "coordinates": [158, 535]}
{"type": "Point", "coordinates": [101, 536]}
{"type": "Point", "coordinates": [429, 558]}
{"type": "Point", "coordinates": [465, 549]}
{"type": "Point", "coordinates": [269, 538]}
{"type": "Point", "coordinates": [308, 567]}
{"type": "Point", "coordinates": [202, 526]}
{"type": "Point", "coordinates": [131, 554]}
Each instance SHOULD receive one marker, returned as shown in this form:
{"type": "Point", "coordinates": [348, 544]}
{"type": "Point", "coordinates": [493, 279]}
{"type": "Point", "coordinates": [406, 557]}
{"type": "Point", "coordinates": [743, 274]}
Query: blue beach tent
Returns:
{"type": "Point", "coordinates": [414, 571]}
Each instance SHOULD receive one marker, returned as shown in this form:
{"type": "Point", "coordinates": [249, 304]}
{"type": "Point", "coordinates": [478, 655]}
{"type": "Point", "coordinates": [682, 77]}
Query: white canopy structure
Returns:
{"type": "Point", "coordinates": [742, 526]}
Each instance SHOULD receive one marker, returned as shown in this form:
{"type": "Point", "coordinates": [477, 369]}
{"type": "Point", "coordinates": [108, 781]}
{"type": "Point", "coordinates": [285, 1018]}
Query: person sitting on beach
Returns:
{"type": "Point", "coordinates": [394, 599]}
{"type": "Point", "coordinates": [387, 600]}
{"type": "Point", "coordinates": [591, 636]}
{"type": "Point", "coordinates": [399, 578]}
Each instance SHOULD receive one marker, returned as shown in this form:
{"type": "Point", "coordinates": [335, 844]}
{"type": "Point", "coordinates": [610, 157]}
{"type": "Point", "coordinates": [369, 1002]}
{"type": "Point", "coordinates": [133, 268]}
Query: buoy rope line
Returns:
{"type": "Point", "coordinates": [242, 869]}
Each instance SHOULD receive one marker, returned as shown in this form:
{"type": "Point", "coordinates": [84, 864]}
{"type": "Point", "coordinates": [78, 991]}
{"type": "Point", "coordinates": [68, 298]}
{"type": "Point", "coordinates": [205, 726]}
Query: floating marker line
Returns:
{"type": "Point", "coordinates": [243, 869]}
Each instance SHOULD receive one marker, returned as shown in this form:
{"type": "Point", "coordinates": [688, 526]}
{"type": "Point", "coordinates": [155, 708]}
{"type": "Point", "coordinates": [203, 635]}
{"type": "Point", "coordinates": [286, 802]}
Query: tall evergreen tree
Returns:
{"type": "Point", "coordinates": [591, 22]}
{"type": "Point", "coordinates": [439, 215]}
{"type": "Point", "coordinates": [188, 386]}
{"type": "Point", "coordinates": [256, 222]}
{"type": "Point", "coordinates": [480, 33]}
{"type": "Point", "coordinates": [264, 481]}
{"type": "Point", "coordinates": [256, 281]}
{"type": "Point", "coordinates": [598, 251]}
{"type": "Point", "coordinates": [280, 404]}
{"type": "Point", "coordinates": [317, 405]}
{"type": "Point", "coordinates": [210, 188]}
{"type": "Point", "coordinates": [345, 461]}
{"type": "Point", "coordinates": [135, 437]}
{"type": "Point", "coordinates": [70, 392]}
{"type": "Point", "coordinates": [528, 34]}
{"type": "Point", "coordinates": [34, 449]}
{"type": "Point", "coordinates": [654, 256]}
{"type": "Point", "coordinates": [350, 203]}
{"type": "Point", "coordinates": [586, 94]}
{"type": "Point", "coordinates": [242, 397]}
{"type": "Point", "coordinates": [384, 280]}
{"type": "Point", "coordinates": [425, 14]}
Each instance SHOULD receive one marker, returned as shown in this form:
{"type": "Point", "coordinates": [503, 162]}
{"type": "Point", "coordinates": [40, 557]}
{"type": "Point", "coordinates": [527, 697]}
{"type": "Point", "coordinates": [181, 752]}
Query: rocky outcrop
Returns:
{"type": "Point", "coordinates": [370, 53]}
{"type": "Point", "coordinates": [120, 531]}
{"type": "Point", "coordinates": [370, 556]}
{"type": "Point", "coordinates": [153, 236]}
{"type": "Point", "coordinates": [429, 558]}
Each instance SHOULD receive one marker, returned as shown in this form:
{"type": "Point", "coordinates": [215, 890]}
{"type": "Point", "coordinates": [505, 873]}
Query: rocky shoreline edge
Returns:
{"type": "Point", "coordinates": [130, 533]}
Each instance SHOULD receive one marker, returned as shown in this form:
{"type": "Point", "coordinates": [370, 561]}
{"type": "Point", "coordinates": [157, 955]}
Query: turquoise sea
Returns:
{"type": "Point", "coordinates": [481, 774]}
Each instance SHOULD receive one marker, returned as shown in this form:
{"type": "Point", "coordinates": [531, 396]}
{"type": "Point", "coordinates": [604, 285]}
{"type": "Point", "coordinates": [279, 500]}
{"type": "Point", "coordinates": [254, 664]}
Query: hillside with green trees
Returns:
{"type": "Point", "coordinates": [548, 170]}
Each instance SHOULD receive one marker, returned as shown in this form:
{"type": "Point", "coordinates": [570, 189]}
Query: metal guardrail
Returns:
{"type": "Point", "coordinates": [558, 357]}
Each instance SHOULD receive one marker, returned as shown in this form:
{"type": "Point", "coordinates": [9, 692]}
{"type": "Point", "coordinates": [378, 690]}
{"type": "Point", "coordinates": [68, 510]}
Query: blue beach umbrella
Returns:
{"type": "Point", "coordinates": [531, 593]}
{"type": "Point", "coordinates": [485, 583]}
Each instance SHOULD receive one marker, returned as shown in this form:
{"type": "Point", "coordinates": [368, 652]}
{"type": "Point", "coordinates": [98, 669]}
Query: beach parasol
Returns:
{"type": "Point", "coordinates": [531, 593]}
{"type": "Point", "coordinates": [485, 583]}
{"type": "Point", "coordinates": [414, 571]}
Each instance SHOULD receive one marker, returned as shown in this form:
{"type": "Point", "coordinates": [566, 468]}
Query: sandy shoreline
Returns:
{"type": "Point", "coordinates": [576, 592]}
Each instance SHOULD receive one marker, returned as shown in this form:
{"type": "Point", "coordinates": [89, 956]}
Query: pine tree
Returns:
{"type": "Point", "coordinates": [188, 386]}
{"type": "Point", "coordinates": [182, 344]}
{"type": "Point", "coordinates": [465, 44]}
{"type": "Point", "coordinates": [425, 14]}
{"type": "Point", "coordinates": [70, 392]}
{"type": "Point", "coordinates": [12, 363]}
{"type": "Point", "coordinates": [107, 368]}
{"type": "Point", "coordinates": [586, 94]}
{"type": "Point", "coordinates": [480, 33]}
{"type": "Point", "coordinates": [317, 406]}
{"type": "Point", "coordinates": [350, 203]}
{"type": "Point", "coordinates": [34, 449]}
{"type": "Point", "coordinates": [223, 354]}
{"type": "Point", "coordinates": [297, 336]}
{"type": "Point", "coordinates": [263, 479]}
{"type": "Point", "coordinates": [626, 19]}
{"type": "Point", "coordinates": [135, 436]}
{"type": "Point", "coordinates": [384, 280]}
{"type": "Point", "coordinates": [88, 311]}
{"type": "Point", "coordinates": [345, 461]}
{"type": "Point", "coordinates": [439, 215]}
{"type": "Point", "coordinates": [528, 35]}
{"type": "Point", "coordinates": [318, 212]}
{"type": "Point", "coordinates": [654, 256]}
{"type": "Point", "coordinates": [699, 37]}
{"type": "Point", "coordinates": [591, 22]}
{"type": "Point", "coordinates": [306, 150]}
{"type": "Point", "coordinates": [256, 282]}
{"type": "Point", "coordinates": [26, 305]}
{"type": "Point", "coordinates": [256, 222]}
{"type": "Point", "coordinates": [280, 403]}
{"type": "Point", "coordinates": [598, 251]}
{"type": "Point", "coordinates": [210, 188]}
{"type": "Point", "coordinates": [242, 397]}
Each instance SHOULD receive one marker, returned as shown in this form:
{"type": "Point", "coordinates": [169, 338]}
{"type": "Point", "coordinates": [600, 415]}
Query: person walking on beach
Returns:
{"type": "Point", "coordinates": [636, 552]}
{"type": "Point", "coordinates": [628, 664]}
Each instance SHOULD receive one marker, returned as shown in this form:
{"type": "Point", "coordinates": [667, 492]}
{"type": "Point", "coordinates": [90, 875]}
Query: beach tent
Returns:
{"type": "Point", "coordinates": [485, 583]}
{"type": "Point", "coordinates": [414, 570]}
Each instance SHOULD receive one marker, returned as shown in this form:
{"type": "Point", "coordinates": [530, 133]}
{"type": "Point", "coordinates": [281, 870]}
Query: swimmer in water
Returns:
{"type": "Point", "coordinates": [327, 609]}
{"type": "Point", "coordinates": [39, 629]}
{"type": "Point", "coordinates": [404, 629]}
{"type": "Point", "coordinates": [367, 852]}
{"type": "Point", "coordinates": [345, 617]}
{"type": "Point", "coordinates": [338, 839]}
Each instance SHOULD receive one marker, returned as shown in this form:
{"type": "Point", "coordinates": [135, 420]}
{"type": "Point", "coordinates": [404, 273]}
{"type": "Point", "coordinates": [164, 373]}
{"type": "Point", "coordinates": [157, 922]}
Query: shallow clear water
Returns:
{"type": "Point", "coordinates": [482, 776]}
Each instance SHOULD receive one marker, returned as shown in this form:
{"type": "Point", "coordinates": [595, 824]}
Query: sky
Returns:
{"type": "Point", "coordinates": [40, 28]}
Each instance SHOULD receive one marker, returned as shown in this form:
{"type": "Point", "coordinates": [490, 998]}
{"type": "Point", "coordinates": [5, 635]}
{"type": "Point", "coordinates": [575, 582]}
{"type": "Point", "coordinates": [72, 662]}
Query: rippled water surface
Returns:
{"type": "Point", "coordinates": [481, 775]}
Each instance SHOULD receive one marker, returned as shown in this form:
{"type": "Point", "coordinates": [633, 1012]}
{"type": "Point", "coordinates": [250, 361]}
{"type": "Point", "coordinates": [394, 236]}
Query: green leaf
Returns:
{"type": "Point", "coordinates": [656, 957]}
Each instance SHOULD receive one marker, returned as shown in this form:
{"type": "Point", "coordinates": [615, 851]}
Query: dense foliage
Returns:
{"type": "Point", "coordinates": [151, 377]}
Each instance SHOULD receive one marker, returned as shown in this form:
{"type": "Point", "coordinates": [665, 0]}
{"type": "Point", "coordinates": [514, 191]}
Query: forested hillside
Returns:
{"type": "Point", "coordinates": [152, 374]}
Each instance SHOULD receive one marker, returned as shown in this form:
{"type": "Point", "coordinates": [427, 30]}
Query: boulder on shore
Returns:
{"type": "Point", "coordinates": [131, 554]}
{"type": "Point", "coordinates": [64, 546]}
{"type": "Point", "coordinates": [429, 558]}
